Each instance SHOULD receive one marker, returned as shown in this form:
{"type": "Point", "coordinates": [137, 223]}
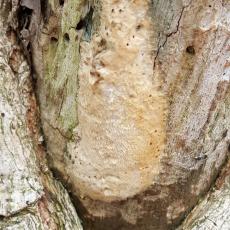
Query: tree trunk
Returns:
{"type": "Point", "coordinates": [135, 110]}
{"type": "Point", "coordinates": [213, 212]}
{"type": "Point", "coordinates": [30, 198]}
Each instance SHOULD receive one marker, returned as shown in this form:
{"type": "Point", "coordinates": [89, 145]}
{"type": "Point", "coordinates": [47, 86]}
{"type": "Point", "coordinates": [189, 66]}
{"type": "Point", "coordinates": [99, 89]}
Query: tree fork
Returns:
{"type": "Point", "coordinates": [134, 105]}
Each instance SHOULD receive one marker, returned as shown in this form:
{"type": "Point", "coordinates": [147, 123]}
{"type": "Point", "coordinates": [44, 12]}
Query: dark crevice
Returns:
{"type": "Point", "coordinates": [86, 21]}
{"type": "Point", "coordinates": [86, 24]}
{"type": "Point", "coordinates": [45, 10]}
{"type": "Point", "coordinates": [61, 2]}
{"type": "Point", "coordinates": [80, 25]}
{"type": "Point", "coordinates": [24, 17]}
{"type": "Point", "coordinates": [190, 50]}
{"type": "Point", "coordinates": [53, 40]}
{"type": "Point", "coordinates": [66, 37]}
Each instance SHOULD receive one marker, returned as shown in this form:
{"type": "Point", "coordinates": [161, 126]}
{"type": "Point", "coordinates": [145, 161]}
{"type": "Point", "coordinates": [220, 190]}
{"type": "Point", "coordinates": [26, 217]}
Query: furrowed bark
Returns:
{"type": "Point", "coordinates": [30, 198]}
{"type": "Point", "coordinates": [135, 106]}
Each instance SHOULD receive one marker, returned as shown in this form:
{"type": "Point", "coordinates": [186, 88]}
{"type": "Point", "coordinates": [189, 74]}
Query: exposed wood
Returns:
{"type": "Point", "coordinates": [134, 105]}
{"type": "Point", "coordinates": [148, 97]}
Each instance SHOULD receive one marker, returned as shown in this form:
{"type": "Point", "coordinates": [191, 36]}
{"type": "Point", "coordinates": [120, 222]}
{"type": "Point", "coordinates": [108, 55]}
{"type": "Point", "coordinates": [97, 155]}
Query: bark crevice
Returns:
{"type": "Point", "coordinates": [159, 47]}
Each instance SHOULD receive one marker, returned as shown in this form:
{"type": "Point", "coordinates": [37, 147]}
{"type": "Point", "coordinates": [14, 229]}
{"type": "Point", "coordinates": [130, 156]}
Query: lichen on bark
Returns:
{"type": "Point", "coordinates": [30, 198]}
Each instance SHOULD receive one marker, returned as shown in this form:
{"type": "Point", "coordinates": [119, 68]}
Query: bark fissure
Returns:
{"type": "Point", "coordinates": [159, 47]}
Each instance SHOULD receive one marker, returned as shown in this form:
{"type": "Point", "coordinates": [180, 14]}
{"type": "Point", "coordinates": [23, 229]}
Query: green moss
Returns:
{"type": "Point", "coordinates": [61, 68]}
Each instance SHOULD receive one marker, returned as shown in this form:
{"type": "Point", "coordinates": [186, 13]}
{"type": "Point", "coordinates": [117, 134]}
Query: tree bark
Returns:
{"type": "Point", "coordinates": [30, 198]}
{"type": "Point", "coordinates": [213, 212]}
{"type": "Point", "coordinates": [148, 131]}
{"type": "Point", "coordinates": [134, 105]}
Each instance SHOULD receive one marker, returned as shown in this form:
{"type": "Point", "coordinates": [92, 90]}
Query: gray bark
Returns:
{"type": "Point", "coordinates": [30, 198]}
{"type": "Point", "coordinates": [213, 212]}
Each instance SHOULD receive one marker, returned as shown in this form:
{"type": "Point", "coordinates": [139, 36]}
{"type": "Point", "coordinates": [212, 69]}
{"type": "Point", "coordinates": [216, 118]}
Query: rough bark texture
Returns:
{"type": "Point", "coordinates": [135, 105]}
{"type": "Point", "coordinates": [30, 198]}
{"type": "Point", "coordinates": [214, 211]}
{"type": "Point", "coordinates": [139, 97]}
